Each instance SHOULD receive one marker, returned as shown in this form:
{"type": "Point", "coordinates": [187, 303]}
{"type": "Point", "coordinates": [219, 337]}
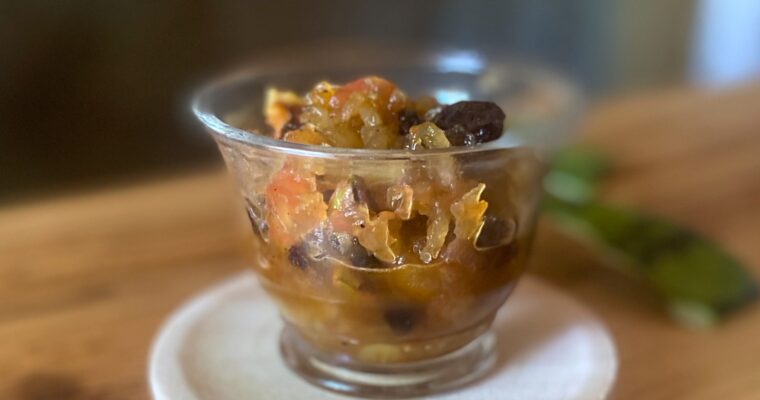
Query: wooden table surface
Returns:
{"type": "Point", "coordinates": [86, 280]}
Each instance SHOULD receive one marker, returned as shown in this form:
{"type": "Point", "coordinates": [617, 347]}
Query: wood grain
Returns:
{"type": "Point", "coordinates": [85, 281]}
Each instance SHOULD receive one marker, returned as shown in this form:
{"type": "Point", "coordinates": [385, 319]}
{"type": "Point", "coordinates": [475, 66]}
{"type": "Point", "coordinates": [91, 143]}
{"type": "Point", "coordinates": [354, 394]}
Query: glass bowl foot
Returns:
{"type": "Point", "coordinates": [398, 380]}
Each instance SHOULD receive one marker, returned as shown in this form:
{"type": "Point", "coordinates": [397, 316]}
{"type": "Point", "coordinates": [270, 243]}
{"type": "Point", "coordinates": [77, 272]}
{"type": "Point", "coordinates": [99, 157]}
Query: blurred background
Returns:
{"type": "Point", "coordinates": [94, 92]}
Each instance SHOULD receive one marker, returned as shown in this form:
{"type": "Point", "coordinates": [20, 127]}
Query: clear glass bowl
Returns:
{"type": "Point", "coordinates": [419, 323]}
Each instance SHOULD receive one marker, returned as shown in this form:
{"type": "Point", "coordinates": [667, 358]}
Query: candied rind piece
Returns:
{"type": "Point", "coordinates": [374, 235]}
{"type": "Point", "coordinates": [468, 213]}
{"type": "Point", "coordinates": [437, 229]}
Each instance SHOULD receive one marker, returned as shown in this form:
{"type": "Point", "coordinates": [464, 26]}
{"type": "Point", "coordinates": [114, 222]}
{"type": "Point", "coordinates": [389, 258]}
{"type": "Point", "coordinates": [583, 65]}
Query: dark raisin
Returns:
{"type": "Point", "coordinates": [360, 257]}
{"type": "Point", "coordinates": [402, 319]}
{"type": "Point", "coordinates": [297, 255]}
{"type": "Point", "coordinates": [458, 136]}
{"type": "Point", "coordinates": [483, 121]}
{"type": "Point", "coordinates": [496, 232]}
{"type": "Point", "coordinates": [406, 119]}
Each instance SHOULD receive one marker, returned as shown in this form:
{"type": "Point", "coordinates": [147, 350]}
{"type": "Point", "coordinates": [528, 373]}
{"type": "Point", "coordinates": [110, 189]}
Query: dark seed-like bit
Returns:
{"type": "Point", "coordinates": [402, 319]}
{"type": "Point", "coordinates": [496, 232]}
{"type": "Point", "coordinates": [471, 122]}
{"type": "Point", "coordinates": [361, 193]}
{"type": "Point", "coordinates": [406, 119]}
{"type": "Point", "coordinates": [327, 194]}
{"type": "Point", "coordinates": [360, 257]}
{"type": "Point", "coordinates": [297, 255]}
{"type": "Point", "coordinates": [294, 122]}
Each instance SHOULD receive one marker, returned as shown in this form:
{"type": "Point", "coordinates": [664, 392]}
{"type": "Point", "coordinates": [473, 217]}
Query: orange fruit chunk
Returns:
{"type": "Point", "coordinates": [295, 206]}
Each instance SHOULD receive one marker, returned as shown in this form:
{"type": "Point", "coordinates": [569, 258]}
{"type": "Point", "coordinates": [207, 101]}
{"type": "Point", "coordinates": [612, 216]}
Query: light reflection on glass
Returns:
{"type": "Point", "coordinates": [467, 62]}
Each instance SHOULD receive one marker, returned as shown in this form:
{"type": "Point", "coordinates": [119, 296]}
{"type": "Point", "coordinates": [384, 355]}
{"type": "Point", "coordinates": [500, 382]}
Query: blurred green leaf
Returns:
{"type": "Point", "coordinates": [574, 174]}
{"type": "Point", "coordinates": [699, 280]}
{"type": "Point", "coordinates": [581, 162]}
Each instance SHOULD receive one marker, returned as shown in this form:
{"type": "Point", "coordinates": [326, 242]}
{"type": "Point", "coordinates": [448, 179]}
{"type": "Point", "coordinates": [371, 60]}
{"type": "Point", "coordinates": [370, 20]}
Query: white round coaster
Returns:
{"type": "Point", "coordinates": [223, 345]}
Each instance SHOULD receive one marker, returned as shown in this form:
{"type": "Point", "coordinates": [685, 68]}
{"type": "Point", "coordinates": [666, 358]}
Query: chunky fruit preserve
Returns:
{"type": "Point", "coordinates": [379, 260]}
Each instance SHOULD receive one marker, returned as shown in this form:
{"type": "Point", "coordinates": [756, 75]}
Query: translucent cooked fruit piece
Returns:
{"type": "Point", "coordinates": [306, 136]}
{"type": "Point", "coordinates": [381, 353]}
{"type": "Point", "coordinates": [382, 92]}
{"type": "Point", "coordinates": [343, 213]}
{"type": "Point", "coordinates": [349, 282]}
{"type": "Point", "coordinates": [401, 199]}
{"type": "Point", "coordinates": [279, 109]}
{"type": "Point", "coordinates": [295, 206]}
{"type": "Point", "coordinates": [426, 136]}
{"type": "Point", "coordinates": [468, 213]}
{"type": "Point", "coordinates": [415, 283]}
{"type": "Point", "coordinates": [320, 111]}
{"type": "Point", "coordinates": [431, 201]}
{"type": "Point", "coordinates": [349, 213]}
{"type": "Point", "coordinates": [361, 113]}
{"type": "Point", "coordinates": [375, 236]}
{"type": "Point", "coordinates": [370, 103]}
{"type": "Point", "coordinates": [437, 229]}
{"type": "Point", "coordinates": [349, 193]}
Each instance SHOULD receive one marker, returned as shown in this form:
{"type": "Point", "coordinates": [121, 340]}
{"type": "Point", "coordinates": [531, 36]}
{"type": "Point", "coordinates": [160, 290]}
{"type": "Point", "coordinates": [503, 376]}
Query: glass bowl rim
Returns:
{"type": "Point", "coordinates": [201, 99]}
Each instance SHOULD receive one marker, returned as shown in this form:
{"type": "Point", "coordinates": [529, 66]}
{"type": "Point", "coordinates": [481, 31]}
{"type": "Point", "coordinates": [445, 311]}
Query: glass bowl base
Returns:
{"type": "Point", "coordinates": [398, 380]}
